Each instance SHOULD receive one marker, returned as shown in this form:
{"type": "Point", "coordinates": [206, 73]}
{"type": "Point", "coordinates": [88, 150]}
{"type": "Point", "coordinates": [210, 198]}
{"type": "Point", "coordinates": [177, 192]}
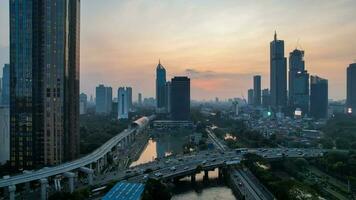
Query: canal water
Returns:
{"type": "Point", "coordinates": [165, 145]}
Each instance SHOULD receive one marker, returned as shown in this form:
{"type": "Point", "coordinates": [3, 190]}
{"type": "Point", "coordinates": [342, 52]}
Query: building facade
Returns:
{"type": "Point", "coordinates": [257, 90]}
{"type": "Point", "coordinates": [103, 100]}
{"type": "Point", "coordinates": [351, 89]}
{"type": "Point", "coordinates": [4, 134]}
{"type": "Point", "coordinates": [318, 97]}
{"type": "Point", "coordinates": [44, 82]}
{"type": "Point", "coordinates": [278, 74]}
{"type": "Point", "coordinates": [5, 86]}
{"type": "Point", "coordinates": [265, 98]}
{"type": "Point", "coordinates": [298, 82]}
{"type": "Point", "coordinates": [160, 86]}
{"type": "Point", "coordinates": [180, 98]}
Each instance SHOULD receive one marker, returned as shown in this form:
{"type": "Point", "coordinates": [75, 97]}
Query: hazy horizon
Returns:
{"type": "Point", "coordinates": [220, 45]}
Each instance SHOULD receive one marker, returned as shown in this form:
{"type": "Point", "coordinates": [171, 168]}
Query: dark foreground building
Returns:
{"type": "Point", "coordinates": [318, 97]}
{"type": "Point", "coordinates": [351, 89]}
{"type": "Point", "coordinates": [180, 98]}
{"type": "Point", "coordinates": [44, 82]}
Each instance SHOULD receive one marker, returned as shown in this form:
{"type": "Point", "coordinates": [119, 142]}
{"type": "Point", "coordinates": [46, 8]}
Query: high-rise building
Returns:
{"type": "Point", "coordinates": [257, 90]}
{"type": "Point", "coordinates": [318, 97]}
{"type": "Point", "coordinates": [265, 98]}
{"type": "Point", "coordinates": [123, 104]}
{"type": "Point", "coordinates": [160, 86]}
{"type": "Point", "coordinates": [168, 96]}
{"type": "Point", "coordinates": [4, 134]}
{"type": "Point", "coordinates": [103, 100]}
{"type": "Point", "coordinates": [250, 97]}
{"type": "Point", "coordinates": [83, 102]}
{"type": "Point", "coordinates": [278, 74]}
{"type": "Point", "coordinates": [129, 98]}
{"type": "Point", "coordinates": [298, 82]}
{"type": "Point", "coordinates": [180, 98]}
{"type": "Point", "coordinates": [139, 99]}
{"type": "Point", "coordinates": [351, 89]}
{"type": "Point", "coordinates": [44, 82]}
{"type": "Point", "coordinates": [5, 85]}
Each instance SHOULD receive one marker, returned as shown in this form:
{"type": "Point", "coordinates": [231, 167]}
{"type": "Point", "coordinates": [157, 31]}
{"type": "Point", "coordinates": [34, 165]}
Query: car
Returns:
{"type": "Point", "coordinates": [173, 168]}
{"type": "Point", "coordinates": [145, 177]}
{"type": "Point", "coordinates": [204, 162]}
{"type": "Point", "coordinates": [186, 167]}
{"type": "Point", "coordinates": [158, 174]}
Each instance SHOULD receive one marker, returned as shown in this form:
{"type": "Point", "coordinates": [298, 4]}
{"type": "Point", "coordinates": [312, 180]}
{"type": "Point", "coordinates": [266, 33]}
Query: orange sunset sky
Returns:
{"type": "Point", "coordinates": [220, 44]}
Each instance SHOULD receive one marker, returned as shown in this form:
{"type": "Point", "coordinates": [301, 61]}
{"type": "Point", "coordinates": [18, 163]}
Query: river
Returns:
{"type": "Point", "coordinates": [214, 189]}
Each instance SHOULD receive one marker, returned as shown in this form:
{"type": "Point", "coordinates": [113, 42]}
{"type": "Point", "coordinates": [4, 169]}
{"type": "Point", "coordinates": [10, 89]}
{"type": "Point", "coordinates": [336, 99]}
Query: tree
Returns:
{"type": "Point", "coordinates": [155, 189]}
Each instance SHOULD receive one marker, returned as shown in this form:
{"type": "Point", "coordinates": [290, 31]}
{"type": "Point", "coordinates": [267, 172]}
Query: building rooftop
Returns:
{"type": "Point", "coordinates": [125, 191]}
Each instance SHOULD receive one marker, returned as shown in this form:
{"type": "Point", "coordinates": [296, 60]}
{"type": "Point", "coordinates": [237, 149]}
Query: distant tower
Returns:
{"type": "Point", "coordinates": [298, 82]}
{"type": "Point", "coordinates": [103, 104]}
{"type": "Point", "coordinates": [318, 97]}
{"type": "Point", "coordinates": [123, 106]}
{"type": "Point", "coordinates": [250, 97]}
{"type": "Point", "coordinates": [351, 89]}
{"type": "Point", "coordinates": [257, 90]}
{"type": "Point", "coordinates": [139, 99]}
{"type": "Point", "coordinates": [180, 98]}
{"type": "Point", "coordinates": [5, 93]}
{"type": "Point", "coordinates": [160, 86]}
{"type": "Point", "coordinates": [278, 74]}
{"type": "Point", "coordinates": [129, 97]}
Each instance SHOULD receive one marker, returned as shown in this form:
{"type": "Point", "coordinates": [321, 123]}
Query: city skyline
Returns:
{"type": "Point", "coordinates": [217, 48]}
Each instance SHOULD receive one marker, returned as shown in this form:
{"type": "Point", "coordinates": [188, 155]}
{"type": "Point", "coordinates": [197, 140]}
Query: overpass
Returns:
{"type": "Point", "coordinates": [84, 164]}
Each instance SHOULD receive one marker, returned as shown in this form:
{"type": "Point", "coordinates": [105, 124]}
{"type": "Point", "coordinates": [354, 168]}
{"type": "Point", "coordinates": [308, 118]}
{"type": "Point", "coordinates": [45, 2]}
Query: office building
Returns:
{"type": "Point", "coordinates": [123, 103]}
{"type": "Point", "coordinates": [318, 97]}
{"type": "Point", "coordinates": [5, 86]}
{"type": "Point", "coordinates": [250, 97]}
{"type": "Point", "coordinates": [4, 134]}
{"type": "Point", "coordinates": [103, 100]}
{"type": "Point", "coordinates": [351, 89]}
{"type": "Point", "coordinates": [257, 90]}
{"type": "Point", "coordinates": [44, 82]}
{"type": "Point", "coordinates": [278, 74]}
{"type": "Point", "coordinates": [83, 102]}
{"type": "Point", "coordinates": [180, 98]}
{"type": "Point", "coordinates": [298, 82]}
{"type": "Point", "coordinates": [115, 108]}
{"type": "Point", "coordinates": [160, 87]}
{"type": "Point", "coordinates": [139, 101]}
{"type": "Point", "coordinates": [266, 98]}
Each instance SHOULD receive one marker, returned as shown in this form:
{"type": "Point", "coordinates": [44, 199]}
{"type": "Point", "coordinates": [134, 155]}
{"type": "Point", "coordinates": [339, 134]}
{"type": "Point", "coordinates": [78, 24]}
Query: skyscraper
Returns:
{"type": "Point", "coordinates": [103, 100]}
{"type": "Point", "coordinates": [160, 86]}
{"type": "Point", "coordinates": [44, 82]}
{"type": "Point", "coordinates": [318, 97]}
{"type": "Point", "coordinates": [180, 98]}
{"type": "Point", "coordinates": [351, 89]}
{"type": "Point", "coordinates": [123, 104]}
{"type": "Point", "coordinates": [139, 99]}
{"type": "Point", "coordinates": [129, 97]}
{"type": "Point", "coordinates": [257, 90]}
{"type": "Point", "coordinates": [250, 97]}
{"type": "Point", "coordinates": [5, 85]}
{"type": "Point", "coordinates": [278, 74]}
{"type": "Point", "coordinates": [298, 82]}
{"type": "Point", "coordinates": [83, 101]}
{"type": "Point", "coordinates": [265, 98]}
{"type": "Point", "coordinates": [168, 96]}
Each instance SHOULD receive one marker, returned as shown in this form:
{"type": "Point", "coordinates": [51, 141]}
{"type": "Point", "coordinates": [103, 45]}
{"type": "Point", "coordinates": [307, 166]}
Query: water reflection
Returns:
{"type": "Point", "coordinates": [169, 144]}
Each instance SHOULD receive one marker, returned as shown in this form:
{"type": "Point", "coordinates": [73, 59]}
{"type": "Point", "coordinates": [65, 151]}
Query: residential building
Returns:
{"type": "Point", "coordinates": [250, 97]}
{"type": "Point", "coordinates": [129, 98]}
{"type": "Point", "coordinates": [139, 99]}
{"type": "Point", "coordinates": [123, 103]}
{"type": "Point", "coordinates": [266, 102]}
{"type": "Point", "coordinates": [83, 102]}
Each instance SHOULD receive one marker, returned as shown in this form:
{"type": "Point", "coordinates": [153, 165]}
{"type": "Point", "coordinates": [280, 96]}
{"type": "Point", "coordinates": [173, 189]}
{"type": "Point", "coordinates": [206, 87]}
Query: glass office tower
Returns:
{"type": "Point", "coordinates": [44, 82]}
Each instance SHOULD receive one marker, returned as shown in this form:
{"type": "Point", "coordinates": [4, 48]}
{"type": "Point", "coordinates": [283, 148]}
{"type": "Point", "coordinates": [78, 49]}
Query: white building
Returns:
{"type": "Point", "coordinates": [4, 134]}
{"type": "Point", "coordinates": [123, 103]}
